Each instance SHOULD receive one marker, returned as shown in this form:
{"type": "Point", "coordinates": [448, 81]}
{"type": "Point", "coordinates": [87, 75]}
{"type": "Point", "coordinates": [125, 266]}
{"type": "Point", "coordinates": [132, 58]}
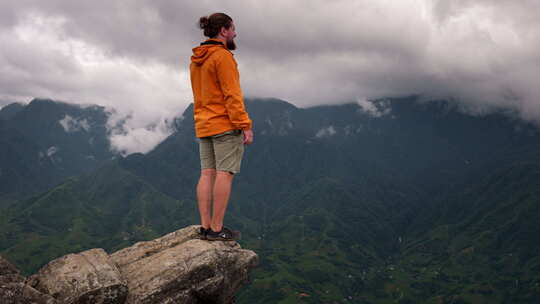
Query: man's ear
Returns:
{"type": "Point", "coordinates": [222, 31]}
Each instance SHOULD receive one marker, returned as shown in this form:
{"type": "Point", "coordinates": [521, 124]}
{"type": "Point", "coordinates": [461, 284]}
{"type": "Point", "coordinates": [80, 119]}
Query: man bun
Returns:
{"type": "Point", "coordinates": [203, 22]}
{"type": "Point", "coordinates": [212, 24]}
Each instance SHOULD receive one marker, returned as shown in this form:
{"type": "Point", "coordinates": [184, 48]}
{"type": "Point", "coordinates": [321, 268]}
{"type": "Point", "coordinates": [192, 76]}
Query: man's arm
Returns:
{"type": "Point", "coordinates": [229, 79]}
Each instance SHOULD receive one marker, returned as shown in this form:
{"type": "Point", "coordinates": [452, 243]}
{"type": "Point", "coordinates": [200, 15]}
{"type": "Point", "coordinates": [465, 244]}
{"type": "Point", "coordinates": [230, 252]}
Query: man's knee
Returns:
{"type": "Point", "coordinates": [208, 172]}
{"type": "Point", "coordinates": [225, 174]}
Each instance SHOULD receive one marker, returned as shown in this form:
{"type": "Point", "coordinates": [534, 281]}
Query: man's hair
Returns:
{"type": "Point", "coordinates": [212, 24]}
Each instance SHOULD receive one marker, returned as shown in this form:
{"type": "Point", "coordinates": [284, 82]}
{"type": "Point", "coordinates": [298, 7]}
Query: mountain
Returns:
{"type": "Point", "coordinates": [108, 208]}
{"type": "Point", "coordinates": [45, 142]}
{"type": "Point", "coordinates": [485, 243]}
{"type": "Point", "coordinates": [401, 202]}
{"type": "Point", "coordinates": [8, 111]}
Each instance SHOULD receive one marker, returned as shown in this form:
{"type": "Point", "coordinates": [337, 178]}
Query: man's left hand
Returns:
{"type": "Point", "coordinates": [248, 137]}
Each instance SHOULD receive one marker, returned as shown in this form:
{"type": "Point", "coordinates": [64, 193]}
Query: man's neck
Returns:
{"type": "Point", "coordinates": [222, 39]}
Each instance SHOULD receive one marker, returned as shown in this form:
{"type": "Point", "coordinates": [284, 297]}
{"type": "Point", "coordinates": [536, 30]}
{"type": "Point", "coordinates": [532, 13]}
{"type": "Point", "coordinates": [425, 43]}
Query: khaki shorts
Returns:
{"type": "Point", "coordinates": [222, 152]}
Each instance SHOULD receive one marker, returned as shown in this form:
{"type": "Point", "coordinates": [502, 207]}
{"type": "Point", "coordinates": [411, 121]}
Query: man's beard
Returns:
{"type": "Point", "coordinates": [231, 45]}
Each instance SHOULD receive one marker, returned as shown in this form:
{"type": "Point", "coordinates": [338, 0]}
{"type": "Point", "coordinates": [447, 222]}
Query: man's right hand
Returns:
{"type": "Point", "coordinates": [248, 137]}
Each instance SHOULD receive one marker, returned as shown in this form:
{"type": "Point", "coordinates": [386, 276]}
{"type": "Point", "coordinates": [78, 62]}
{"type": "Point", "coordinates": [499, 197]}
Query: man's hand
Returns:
{"type": "Point", "coordinates": [248, 137]}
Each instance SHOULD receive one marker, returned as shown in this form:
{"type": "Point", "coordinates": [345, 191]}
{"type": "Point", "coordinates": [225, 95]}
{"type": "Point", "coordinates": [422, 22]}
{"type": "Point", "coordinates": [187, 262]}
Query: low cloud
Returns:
{"type": "Point", "coordinates": [377, 108]}
{"type": "Point", "coordinates": [326, 132]}
{"type": "Point", "coordinates": [72, 125]}
{"type": "Point", "coordinates": [134, 55]}
{"type": "Point", "coordinates": [130, 134]}
{"type": "Point", "coordinates": [40, 60]}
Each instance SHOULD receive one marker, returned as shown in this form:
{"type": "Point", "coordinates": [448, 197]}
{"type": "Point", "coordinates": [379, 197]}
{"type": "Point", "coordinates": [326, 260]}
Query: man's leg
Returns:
{"type": "Point", "coordinates": [222, 191]}
{"type": "Point", "coordinates": [204, 195]}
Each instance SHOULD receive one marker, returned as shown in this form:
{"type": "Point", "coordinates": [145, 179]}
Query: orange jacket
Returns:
{"type": "Point", "coordinates": [215, 81]}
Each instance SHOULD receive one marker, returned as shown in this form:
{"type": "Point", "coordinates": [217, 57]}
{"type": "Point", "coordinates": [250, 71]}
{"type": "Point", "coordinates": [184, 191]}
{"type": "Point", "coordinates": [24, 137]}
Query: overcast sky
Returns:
{"type": "Point", "coordinates": [134, 54]}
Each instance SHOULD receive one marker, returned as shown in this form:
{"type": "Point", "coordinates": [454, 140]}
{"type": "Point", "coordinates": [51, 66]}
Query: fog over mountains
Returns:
{"type": "Point", "coordinates": [134, 56]}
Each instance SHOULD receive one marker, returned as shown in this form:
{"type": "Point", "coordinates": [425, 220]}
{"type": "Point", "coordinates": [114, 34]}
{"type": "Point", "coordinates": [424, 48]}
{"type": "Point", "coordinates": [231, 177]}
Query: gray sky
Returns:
{"type": "Point", "coordinates": [134, 55]}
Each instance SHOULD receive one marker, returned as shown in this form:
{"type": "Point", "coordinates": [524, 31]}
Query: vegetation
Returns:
{"type": "Point", "coordinates": [422, 205]}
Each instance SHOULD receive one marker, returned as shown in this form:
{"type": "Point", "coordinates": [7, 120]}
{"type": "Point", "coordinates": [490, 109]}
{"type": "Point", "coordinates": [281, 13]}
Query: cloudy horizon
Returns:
{"type": "Point", "coordinates": [134, 55]}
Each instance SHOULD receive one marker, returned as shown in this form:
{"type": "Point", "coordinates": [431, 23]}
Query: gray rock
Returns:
{"type": "Point", "coordinates": [85, 277]}
{"type": "Point", "coordinates": [6, 267]}
{"type": "Point", "coordinates": [179, 268]}
{"type": "Point", "coordinates": [13, 288]}
{"type": "Point", "coordinates": [20, 293]}
{"type": "Point", "coordinates": [11, 278]}
{"type": "Point", "coordinates": [9, 273]}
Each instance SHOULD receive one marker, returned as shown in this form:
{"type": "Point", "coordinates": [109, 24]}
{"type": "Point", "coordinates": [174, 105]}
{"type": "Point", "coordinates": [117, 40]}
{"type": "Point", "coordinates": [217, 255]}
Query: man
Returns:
{"type": "Point", "coordinates": [221, 122]}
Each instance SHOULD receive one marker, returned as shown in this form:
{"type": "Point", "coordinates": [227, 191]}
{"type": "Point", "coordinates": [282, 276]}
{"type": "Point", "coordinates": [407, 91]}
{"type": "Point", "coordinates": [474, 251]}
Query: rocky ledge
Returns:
{"type": "Point", "coordinates": [176, 268]}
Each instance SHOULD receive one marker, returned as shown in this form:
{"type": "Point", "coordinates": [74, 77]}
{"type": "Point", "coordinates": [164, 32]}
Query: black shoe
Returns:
{"type": "Point", "coordinates": [236, 234]}
{"type": "Point", "coordinates": [225, 234]}
{"type": "Point", "coordinates": [203, 232]}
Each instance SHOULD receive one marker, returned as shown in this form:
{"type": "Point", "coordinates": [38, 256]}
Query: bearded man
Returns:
{"type": "Point", "coordinates": [221, 122]}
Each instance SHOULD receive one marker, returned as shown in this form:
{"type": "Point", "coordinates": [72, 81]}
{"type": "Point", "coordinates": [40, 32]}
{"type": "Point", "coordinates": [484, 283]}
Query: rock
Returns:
{"type": "Point", "coordinates": [9, 273]}
{"type": "Point", "coordinates": [85, 277]}
{"type": "Point", "coordinates": [179, 268]}
{"type": "Point", "coordinates": [7, 268]}
{"type": "Point", "coordinates": [11, 278]}
{"type": "Point", "coordinates": [14, 290]}
{"type": "Point", "coordinates": [20, 293]}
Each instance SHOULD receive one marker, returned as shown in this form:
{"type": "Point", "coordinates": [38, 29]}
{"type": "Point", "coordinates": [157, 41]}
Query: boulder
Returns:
{"type": "Point", "coordinates": [176, 268]}
{"type": "Point", "coordinates": [7, 268]}
{"type": "Point", "coordinates": [20, 293]}
{"type": "Point", "coordinates": [180, 268]}
{"type": "Point", "coordinates": [85, 277]}
{"type": "Point", "coordinates": [9, 273]}
{"type": "Point", "coordinates": [14, 290]}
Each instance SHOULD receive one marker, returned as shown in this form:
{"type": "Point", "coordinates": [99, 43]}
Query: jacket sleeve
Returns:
{"type": "Point", "coordinates": [229, 80]}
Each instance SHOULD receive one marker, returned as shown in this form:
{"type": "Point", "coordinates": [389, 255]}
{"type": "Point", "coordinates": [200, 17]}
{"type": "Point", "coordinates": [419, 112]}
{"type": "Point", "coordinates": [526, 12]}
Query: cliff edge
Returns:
{"type": "Point", "coordinates": [175, 268]}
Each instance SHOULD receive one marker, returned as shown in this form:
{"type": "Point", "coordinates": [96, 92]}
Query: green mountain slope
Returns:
{"type": "Point", "coordinates": [108, 208]}
{"type": "Point", "coordinates": [46, 142]}
{"type": "Point", "coordinates": [421, 204]}
{"type": "Point", "coordinates": [8, 111]}
{"type": "Point", "coordinates": [484, 248]}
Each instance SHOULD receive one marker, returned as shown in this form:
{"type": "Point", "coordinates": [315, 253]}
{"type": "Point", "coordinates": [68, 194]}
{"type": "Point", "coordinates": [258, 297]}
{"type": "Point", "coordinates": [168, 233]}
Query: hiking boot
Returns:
{"type": "Point", "coordinates": [202, 232]}
{"type": "Point", "coordinates": [225, 234]}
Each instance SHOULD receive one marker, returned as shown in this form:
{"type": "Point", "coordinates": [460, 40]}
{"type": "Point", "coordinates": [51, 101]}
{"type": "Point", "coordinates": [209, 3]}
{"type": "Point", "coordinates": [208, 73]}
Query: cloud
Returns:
{"type": "Point", "coordinates": [130, 133]}
{"type": "Point", "coordinates": [326, 132]}
{"type": "Point", "coordinates": [72, 125]}
{"type": "Point", "coordinates": [129, 139]}
{"type": "Point", "coordinates": [134, 55]}
{"type": "Point", "coordinates": [40, 59]}
{"type": "Point", "coordinates": [374, 108]}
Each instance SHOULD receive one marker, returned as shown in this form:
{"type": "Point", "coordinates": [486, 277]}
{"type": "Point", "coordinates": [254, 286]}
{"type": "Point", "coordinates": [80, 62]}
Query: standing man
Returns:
{"type": "Point", "coordinates": [221, 121]}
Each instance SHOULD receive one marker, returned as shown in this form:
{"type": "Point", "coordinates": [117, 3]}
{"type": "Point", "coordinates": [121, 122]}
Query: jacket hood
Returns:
{"type": "Point", "coordinates": [205, 50]}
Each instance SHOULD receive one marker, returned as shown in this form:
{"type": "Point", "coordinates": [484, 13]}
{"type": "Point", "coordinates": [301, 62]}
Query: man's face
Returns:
{"type": "Point", "coordinates": [230, 34]}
